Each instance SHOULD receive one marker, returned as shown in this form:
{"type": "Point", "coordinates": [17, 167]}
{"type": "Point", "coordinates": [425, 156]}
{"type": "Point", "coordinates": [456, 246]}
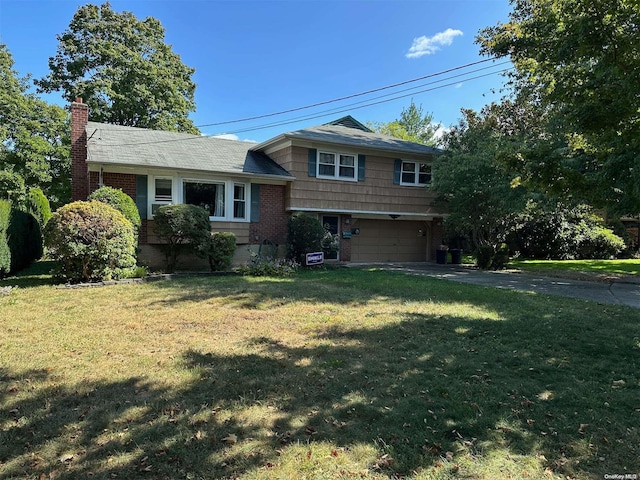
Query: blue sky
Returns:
{"type": "Point", "coordinates": [257, 57]}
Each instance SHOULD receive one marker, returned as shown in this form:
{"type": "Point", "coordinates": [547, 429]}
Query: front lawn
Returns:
{"type": "Point", "coordinates": [616, 267]}
{"type": "Point", "coordinates": [330, 374]}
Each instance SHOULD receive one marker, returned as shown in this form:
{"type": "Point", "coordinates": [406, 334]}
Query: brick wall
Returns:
{"type": "Point", "coordinates": [79, 172]}
{"type": "Point", "coordinates": [124, 181]}
{"type": "Point", "coordinates": [273, 217]}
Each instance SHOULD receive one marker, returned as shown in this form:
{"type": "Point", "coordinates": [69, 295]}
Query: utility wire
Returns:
{"type": "Point", "coordinates": [350, 108]}
{"type": "Point", "coordinates": [341, 109]}
{"type": "Point", "coordinates": [348, 97]}
{"type": "Point", "coordinates": [344, 108]}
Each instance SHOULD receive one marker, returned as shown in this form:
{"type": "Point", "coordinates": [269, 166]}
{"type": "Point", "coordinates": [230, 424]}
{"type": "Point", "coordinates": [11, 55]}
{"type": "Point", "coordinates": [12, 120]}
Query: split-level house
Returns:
{"type": "Point", "coordinates": [370, 189]}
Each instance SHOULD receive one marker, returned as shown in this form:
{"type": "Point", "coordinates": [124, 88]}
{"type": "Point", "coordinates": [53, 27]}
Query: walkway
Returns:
{"type": "Point", "coordinates": [625, 292]}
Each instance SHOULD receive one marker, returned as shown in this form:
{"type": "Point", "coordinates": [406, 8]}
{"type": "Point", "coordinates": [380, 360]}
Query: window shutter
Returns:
{"type": "Point", "coordinates": [397, 168]}
{"type": "Point", "coordinates": [313, 158]}
{"type": "Point", "coordinates": [361, 162]}
{"type": "Point", "coordinates": [141, 195]}
{"type": "Point", "coordinates": [255, 202]}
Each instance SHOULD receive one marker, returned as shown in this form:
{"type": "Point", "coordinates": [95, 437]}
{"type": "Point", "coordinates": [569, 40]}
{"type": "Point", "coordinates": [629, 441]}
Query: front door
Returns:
{"type": "Point", "coordinates": [331, 223]}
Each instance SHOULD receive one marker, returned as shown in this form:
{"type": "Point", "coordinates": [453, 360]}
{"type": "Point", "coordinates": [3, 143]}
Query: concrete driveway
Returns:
{"type": "Point", "coordinates": [625, 292]}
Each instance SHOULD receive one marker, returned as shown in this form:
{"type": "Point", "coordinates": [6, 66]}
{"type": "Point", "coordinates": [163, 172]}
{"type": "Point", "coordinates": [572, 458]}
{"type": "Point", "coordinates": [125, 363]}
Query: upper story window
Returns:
{"type": "Point", "coordinates": [415, 173]}
{"type": "Point", "coordinates": [338, 166]}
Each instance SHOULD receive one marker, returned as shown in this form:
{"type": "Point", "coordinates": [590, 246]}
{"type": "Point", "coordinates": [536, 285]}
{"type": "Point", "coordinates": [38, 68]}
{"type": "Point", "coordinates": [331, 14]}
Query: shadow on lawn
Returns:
{"type": "Point", "coordinates": [416, 389]}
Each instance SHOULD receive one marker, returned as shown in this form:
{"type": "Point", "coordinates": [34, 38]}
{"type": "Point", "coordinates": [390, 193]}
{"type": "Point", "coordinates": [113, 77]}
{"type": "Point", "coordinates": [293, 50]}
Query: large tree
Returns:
{"type": "Point", "coordinates": [579, 61]}
{"type": "Point", "coordinates": [34, 140]}
{"type": "Point", "coordinates": [123, 70]}
{"type": "Point", "coordinates": [482, 195]}
{"type": "Point", "coordinates": [413, 125]}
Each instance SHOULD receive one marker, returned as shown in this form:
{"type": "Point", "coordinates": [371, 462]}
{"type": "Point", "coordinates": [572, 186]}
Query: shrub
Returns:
{"type": "Point", "coordinates": [220, 250]}
{"type": "Point", "coordinates": [24, 236]}
{"type": "Point", "coordinates": [38, 206]}
{"type": "Point", "coordinates": [304, 235]}
{"type": "Point", "coordinates": [182, 227]}
{"type": "Point", "coordinates": [553, 230]}
{"type": "Point", "coordinates": [20, 239]}
{"type": "Point", "coordinates": [269, 267]}
{"type": "Point", "coordinates": [5, 253]}
{"type": "Point", "coordinates": [91, 241]}
{"type": "Point", "coordinates": [121, 202]}
{"type": "Point", "coordinates": [484, 256]}
{"type": "Point", "coordinates": [599, 242]}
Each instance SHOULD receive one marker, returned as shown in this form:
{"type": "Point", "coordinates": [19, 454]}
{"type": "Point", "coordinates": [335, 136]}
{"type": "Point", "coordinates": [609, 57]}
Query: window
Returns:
{"type": "Point", "coordinates": [337, 166]}
{"type": "Point", "coordinates": [327, 165]}
{"type": "Point", "coordinates": [239, 201]}
{"type": "Point", "coordinates": [209, 196]}
{"type": "Point", "coordinates": [164, 190]}
{"type": "Point", "coordinates": [163, 193]}
{"type": "Point", "coordinates": [414, 173]}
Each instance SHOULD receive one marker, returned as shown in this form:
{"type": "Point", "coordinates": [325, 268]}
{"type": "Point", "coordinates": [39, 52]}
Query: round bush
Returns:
{"type": "Point", "coordinates": [91, 241]}
{"type": "Point", "coordinates": [120, 201]}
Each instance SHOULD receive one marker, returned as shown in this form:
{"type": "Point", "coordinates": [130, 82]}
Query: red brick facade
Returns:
{"type": "Point", "coordinates": [273, 216]}
{"type": "Point", "coordinates": [124, 181]}
{"type": "Point", "coordinates": [79, 170]}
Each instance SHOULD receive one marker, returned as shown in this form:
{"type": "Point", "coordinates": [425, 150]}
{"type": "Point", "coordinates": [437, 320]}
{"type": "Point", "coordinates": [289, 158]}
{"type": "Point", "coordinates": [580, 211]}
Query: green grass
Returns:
{"type": "Point", "coordinates": [330, 374]}
{"type": "Point", "coordinates": [618, 267]}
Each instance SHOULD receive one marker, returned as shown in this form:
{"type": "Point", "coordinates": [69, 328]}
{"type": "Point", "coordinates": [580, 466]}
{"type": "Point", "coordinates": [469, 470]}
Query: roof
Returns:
{"type": "Point", "coordinates": [141, 147]}
{"type": "Point", "coordinates": [350, 122]}
{"type": "Point", "coordinates": [337, 133]}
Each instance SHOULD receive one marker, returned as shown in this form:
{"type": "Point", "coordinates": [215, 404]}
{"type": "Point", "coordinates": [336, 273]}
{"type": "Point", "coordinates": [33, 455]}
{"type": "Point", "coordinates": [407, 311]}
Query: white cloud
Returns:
{"type": "Point", "coordinates": [231, 136]}
{"type": "Point", "coordinates": [429, 45]}
{"type": "Point", "coordinates": [227, 136]}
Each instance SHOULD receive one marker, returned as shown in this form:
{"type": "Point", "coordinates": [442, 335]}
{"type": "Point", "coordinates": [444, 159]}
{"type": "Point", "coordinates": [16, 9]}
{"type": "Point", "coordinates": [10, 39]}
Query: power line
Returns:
{"type": "Point", "coordinates": [344, 108]}
{"type": "Point", "coordinates": [350, 108]}
{"type": "Point", "coordinates": [348, 97]}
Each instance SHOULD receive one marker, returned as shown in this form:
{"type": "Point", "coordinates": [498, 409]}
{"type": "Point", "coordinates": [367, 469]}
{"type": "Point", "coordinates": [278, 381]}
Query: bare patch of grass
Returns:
{"type": "Point", "coordinates": [334, 374]}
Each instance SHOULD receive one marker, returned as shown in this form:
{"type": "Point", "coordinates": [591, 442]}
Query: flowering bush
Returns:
{"type": "Point", "coordinates": [269, 267]}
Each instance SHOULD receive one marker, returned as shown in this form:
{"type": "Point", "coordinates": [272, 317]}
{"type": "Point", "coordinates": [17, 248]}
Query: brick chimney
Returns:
{"type": "Point", "coordinates": [79, 167]}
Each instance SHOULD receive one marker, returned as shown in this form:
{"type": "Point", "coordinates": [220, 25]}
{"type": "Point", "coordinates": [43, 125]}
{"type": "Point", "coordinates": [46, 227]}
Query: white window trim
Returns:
{"type": "Point", "coordinates": [336, 175]}
{"type": "Point", "coordinates": [177, 195]}
{"type": "Point", "coordinates": [228, 198]}
{"type": "Point", "coordinates": [151, 187]}
{"type": "Point", "coordinates": [416, 174]}
{"type": "Point", "coordinates": [246, 189]}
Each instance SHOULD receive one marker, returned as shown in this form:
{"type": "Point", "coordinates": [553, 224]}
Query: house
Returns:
{"type": "Point", "coordinates": [370, 189]}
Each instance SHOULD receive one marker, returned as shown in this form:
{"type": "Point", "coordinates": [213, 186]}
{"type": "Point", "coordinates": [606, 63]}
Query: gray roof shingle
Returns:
{"type": "Point", "coordinates": [140, 147]}
{"type": "Point", "coordinates": [339, 135]}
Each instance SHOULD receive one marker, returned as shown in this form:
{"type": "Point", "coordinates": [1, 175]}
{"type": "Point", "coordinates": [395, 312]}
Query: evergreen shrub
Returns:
{"type": "Point", "coordinates": [121, 202]}
{"type": "Point", "coordinates": [38, 205]}
{"type": "Point", "coordinates": [91, 241]}
{"type": "Point", "coordinates": [220, 250]}
{"type": "Point", "coordinates": [305, 234]}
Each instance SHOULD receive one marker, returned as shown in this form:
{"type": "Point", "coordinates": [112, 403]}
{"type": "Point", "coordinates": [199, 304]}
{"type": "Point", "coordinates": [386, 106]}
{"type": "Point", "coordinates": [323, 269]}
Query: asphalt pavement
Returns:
{"type": "Point", "coordinates": [615, 292]}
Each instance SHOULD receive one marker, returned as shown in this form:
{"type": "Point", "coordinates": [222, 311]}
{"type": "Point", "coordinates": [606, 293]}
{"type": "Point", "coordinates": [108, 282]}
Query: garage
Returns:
{"type": "Point", "coordinates": [390, 241]}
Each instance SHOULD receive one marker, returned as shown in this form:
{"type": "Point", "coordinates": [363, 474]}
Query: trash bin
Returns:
{"type": "Point", "coordinates": [441, 256]}
{"type": "Point", "coordinates": [456, 256]}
